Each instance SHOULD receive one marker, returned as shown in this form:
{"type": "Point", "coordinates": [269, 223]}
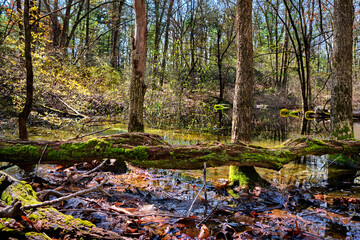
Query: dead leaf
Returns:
{"type": "Point", "coordinates": [204, 232]}
{"type": "Point", "coordinates": [122, 210]}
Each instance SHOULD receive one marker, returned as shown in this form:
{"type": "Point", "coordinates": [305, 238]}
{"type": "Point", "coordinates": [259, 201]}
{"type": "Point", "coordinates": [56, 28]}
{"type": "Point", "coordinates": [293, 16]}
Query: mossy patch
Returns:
{"type": "Point", "coordinates": [141, 153]}
{"type": "Point", "coordinates": [25, 151]}
{"type": "Point", "coordinates": [21, 191]}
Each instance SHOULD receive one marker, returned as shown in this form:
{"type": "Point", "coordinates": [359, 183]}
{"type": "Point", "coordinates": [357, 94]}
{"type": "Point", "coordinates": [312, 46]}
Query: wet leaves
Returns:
{"type": "Point", "coordinates": [153, 205]}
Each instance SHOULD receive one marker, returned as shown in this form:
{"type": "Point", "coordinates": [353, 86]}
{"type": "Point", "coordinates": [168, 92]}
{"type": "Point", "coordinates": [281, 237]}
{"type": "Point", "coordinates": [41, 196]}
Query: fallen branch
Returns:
{"type": "Point", "coordinates": [46, 203]}
{"type": "Point", "coordinates": [88, 134]}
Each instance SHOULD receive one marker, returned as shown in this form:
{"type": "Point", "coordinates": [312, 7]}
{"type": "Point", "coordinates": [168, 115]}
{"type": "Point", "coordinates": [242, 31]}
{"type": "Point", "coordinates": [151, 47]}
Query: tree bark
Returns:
{"type": "Point", "coordinates": [243, 99]}
{"type": "Point", "coordinates": [65, 29]}
{"type": "Point", "coordinates": [149, 150]}
{"type": "Point", "coordinates": [87, 34]}
{"type": "Point", "coordinates": [20, 24]}
{"type": "Point", "coordinates": [166, 43]}
{"type": "Point", "coordinates": [23, 116]}
{"type": "Point", "coordinates": [117, 9]}
{"type": "Point", "coordinates": [138, 57]}
{"type": "Point", "coordinates": [341, 92]}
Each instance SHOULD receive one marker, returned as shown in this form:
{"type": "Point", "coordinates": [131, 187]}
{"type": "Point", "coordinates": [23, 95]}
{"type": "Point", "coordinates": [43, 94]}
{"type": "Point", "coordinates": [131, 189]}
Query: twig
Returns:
{"type": "Point", "coordinates": [192, 204]}
{"type": "Point", "coordinates": [208, 216]}
{"type": "Point", "coordinates": [96, 168]}
{"type": "Point", "coordinates": [46, 193]}
{"type": "Point", "coordinates": [7, 166]}
{"type": "Point", "coordinates": [88, 134]}
{"type": "Point", "coordinates": [97, 187]}
{"type": "Point", "coordinates": [10, 178]}
{"type": "Point", "coordinates": [205, 194]}
{"type": "Point", "coordinates": [37, 167]}
{"type": "Point", "coordinates": [119, 214]}
{"type": "Point", "coordinates": [68, 106]}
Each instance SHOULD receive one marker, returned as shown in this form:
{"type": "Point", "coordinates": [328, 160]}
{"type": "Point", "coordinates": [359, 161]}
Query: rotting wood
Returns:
{"type": "Point", "coordinates": [148, 150]}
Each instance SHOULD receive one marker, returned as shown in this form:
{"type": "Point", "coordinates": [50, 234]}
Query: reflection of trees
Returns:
{"type": "Point", "coordinates": [269, 125]}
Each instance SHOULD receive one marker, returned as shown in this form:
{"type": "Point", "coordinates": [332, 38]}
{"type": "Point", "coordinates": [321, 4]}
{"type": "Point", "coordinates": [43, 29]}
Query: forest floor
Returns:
{"type": "Point", "coordinates": [159, 204]}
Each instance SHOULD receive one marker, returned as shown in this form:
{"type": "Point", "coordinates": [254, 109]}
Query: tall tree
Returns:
{"type": "Point", "coordinates": [23, 116]}
{"type": "Point", "coordinates": [138, 57]}
{"type": "Point", "coordinates": [243, 99]}
{"type": "Point", "coordinates": [166, 43]}
{"type": "Point", "coordinates": [341, 92]}
{"type": "Point", "coordinates": [115, 32]}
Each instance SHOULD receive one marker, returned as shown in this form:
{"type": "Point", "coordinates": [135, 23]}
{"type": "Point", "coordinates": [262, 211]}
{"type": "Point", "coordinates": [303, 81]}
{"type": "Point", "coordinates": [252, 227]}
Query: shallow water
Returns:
{"type": "Point", "coordinates": [317, 175]}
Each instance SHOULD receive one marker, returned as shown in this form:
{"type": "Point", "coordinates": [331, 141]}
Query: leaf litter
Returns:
{"type": "Point", "coordinates": [155, 204]}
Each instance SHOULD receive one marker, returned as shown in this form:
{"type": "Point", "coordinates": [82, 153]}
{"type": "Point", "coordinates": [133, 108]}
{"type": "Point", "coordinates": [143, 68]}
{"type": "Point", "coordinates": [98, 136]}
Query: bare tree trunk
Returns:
{"type": "Point", "coordinates": [341, 92]}
{"type": "Point", "coordinates": [166, 44]}
{"type": "Point", "coordinates": [117, 8]}
{"type": "Point", "coordinates": [29, 74]}
{"type": "Point", "coordinates": [87, 33]}
{"type": "Point", "coordinates": [243, 99]}
{"type": "Point", "coordinates": [157, 38]}
{"type": "Point", "coordinates": [21, 26]}
{"type": "Point", "coordinates": [138, 57]}
{"type": "Point", "coordinates": [65, 30]}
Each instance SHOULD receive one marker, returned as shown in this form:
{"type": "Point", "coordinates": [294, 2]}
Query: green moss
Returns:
{"type": "Point", "coordinates": [93, 147]}
{"type": "Point", "coordinates": [36, 235]}
{"type": "Point", "coordinates": [71, 221]}
{"type": "Point", "coordinates": [33, 217]}
{"type": "Point", "coordinates": [27, 151]}
{"type": "Point", "coordinates": [114, 152]}
{"type": "Point", "coordinates": [23, 192]}
{"type": "Point", "coordinates": [141, 153]}
{"type": "Point", "coordinates": [59, 155]}
{"type": "Point", "coordinates": [223, 156]}
{"type": "Point", "coordinates": [237, 177]}
{"type": "Point", "coordinates": [128, 153]}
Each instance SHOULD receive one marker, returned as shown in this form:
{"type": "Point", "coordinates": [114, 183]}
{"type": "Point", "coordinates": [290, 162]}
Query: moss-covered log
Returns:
{"type": "Point", "coordinates": [44, 222]}
{"type": "Point", "coordinates": [148, 150]}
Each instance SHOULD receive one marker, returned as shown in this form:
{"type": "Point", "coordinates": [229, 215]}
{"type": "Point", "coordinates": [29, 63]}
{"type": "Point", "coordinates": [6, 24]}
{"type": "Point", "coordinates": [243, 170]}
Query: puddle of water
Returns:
{"type": "Point", "coordinates": [308, 173]}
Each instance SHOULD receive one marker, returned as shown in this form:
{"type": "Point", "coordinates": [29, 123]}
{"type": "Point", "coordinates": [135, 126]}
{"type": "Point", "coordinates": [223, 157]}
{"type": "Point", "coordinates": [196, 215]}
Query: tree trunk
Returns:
{"type": "Point", "coordinates": [341, 92]}
{"type": "Point", "coordinates": [23, 116]}
{"type": "Point", "coordinates": [243, 99]}
{"type": "Point", "coordinates": [138, 57]}
{"type": "Point", "coordinates": [157, 38]}
{"type": "Point", "coordinates": [87, 34]}
{"type": "Point", "coordinates": [166, 43]}
{"type": "Point", "coordinates": [117, 9]}
{"type": "Point", "coordinates": [65, 30]}
{"type": "Point", "coordinates": [20, 24]}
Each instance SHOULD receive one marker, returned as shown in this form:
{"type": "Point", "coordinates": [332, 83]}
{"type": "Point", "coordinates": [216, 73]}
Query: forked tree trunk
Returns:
{"type": "Point", "coordinates": [138, 57]}
{"type": "Point", "coordinates": [341, 92]}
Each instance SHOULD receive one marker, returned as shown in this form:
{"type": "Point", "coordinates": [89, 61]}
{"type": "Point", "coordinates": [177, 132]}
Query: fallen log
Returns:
{"type": "Point", "coordinates": [148, 150]}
